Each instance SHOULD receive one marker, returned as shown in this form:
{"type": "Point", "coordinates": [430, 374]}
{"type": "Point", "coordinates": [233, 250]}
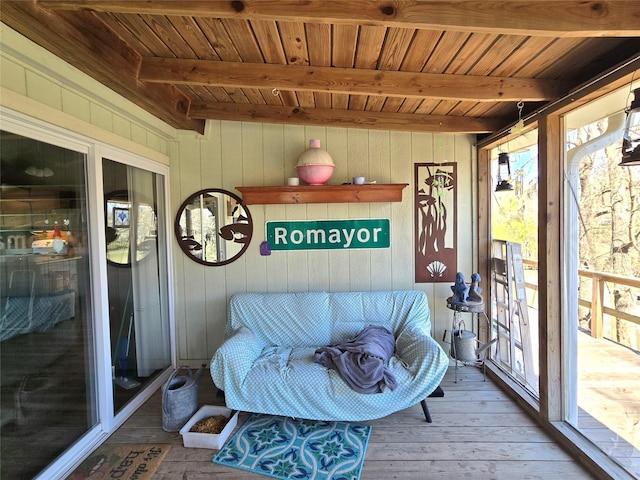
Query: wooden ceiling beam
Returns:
{"type": "Point", "coordinates": [554, 18]}
{"type": "Point", "coordinates": [347, 80]}
{"type": "Point", "coordinates": [82, 40]}
{"type": "Point", "coordinates": [243, 112]}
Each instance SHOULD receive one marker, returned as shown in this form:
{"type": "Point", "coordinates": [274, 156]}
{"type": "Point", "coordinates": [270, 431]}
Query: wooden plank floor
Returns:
{"type": "Point", "coordinates": [609, 398]}
{"type": "Point", "coordinates": [477, 432]}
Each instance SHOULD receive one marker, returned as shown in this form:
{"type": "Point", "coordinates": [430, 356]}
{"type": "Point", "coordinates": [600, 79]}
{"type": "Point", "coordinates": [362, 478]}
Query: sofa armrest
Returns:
{"type": "Point", "coordinates": [233, 360]}
{"type": "Point", "coordinates": [419, 351]}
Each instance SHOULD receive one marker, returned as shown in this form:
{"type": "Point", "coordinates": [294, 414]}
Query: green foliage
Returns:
{"type": "Point", "coordinates": [515, 218]}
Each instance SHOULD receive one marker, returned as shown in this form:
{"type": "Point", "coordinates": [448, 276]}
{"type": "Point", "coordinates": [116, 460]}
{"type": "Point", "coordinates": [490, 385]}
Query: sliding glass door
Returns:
{"type": "Point", "coordinates": [136, 277]}
{"type": "Point", "coordinates": [47, 368]}
{"type": "Point", "coordinates": [85, 331]}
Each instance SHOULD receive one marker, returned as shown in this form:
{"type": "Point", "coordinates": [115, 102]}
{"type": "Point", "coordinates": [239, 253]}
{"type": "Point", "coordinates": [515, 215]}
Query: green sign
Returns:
{"type": "Point", "coordinates": [328, 234]}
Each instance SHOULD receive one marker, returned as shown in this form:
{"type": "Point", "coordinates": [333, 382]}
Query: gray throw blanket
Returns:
{"type": "Point", "coordinates": [361, 361]}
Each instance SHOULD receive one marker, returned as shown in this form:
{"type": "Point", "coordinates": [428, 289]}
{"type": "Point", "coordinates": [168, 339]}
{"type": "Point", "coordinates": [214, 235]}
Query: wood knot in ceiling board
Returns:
{"type": "Point", "coordinates": [388, 10]}
{"type": "Point", "coordinates": [599, 9]}
{"type": "Point", "coordinates": [299, 114]}
{"type": "Point", "coordinates": [237, 6]}
{"type": "Point", "coordinates": [182, 106]}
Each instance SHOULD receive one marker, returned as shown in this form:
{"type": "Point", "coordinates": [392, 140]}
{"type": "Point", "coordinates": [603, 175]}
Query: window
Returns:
{"type": "Point", "coordinates": [602, 271]}
{"type": "Point", "coordinates": [514, 259]}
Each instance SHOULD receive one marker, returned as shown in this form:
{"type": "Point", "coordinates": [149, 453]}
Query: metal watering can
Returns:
{"type": "Point", "coordinates": [464, 345]}
{"type": "Point", "coordinates": [180, 398]}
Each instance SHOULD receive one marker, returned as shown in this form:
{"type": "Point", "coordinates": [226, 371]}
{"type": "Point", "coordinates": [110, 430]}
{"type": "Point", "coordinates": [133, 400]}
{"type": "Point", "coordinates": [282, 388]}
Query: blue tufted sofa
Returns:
{"type": "Point", "coordinates": [266, 363]}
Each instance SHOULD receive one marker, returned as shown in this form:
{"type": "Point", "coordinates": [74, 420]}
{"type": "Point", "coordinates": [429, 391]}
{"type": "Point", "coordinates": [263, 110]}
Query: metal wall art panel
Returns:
{"type": "Point", "coordinates": [436, 229]}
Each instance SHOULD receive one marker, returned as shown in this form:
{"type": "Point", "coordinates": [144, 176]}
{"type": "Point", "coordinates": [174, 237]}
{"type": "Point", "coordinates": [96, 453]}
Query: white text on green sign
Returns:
{"type": "Point", "coordinates": [328, 234]}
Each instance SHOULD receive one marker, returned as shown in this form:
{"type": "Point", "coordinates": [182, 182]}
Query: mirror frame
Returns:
{"type": "Point", "coordinates": [178, 234]}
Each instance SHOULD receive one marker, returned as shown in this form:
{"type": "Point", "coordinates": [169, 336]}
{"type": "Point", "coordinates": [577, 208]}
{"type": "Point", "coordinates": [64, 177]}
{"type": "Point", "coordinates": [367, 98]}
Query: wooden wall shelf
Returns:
{"type": "Point", "coordinates": [322, 194]}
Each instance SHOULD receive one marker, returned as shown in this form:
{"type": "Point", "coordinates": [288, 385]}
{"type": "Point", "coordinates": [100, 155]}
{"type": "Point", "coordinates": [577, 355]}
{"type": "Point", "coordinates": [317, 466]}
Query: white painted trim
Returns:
{"type": "Point", "coordinates": [100, 291]}
{"type": "Point", "coordinates": [32, 109]}
{"type": "Point", "coordinates": [134, 159]}
{"type": "Point", "coordinates": [69, 460]}
{"type": "Point", "coordinates": [31, 127]}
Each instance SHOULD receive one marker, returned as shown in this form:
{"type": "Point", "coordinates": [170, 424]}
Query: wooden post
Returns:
{"type": "Point", "coordinates": [484, 232]}
{"type": "Point", "coordinates": [550, 248]}
{"type": "Point", "coordinates": [597, 296]}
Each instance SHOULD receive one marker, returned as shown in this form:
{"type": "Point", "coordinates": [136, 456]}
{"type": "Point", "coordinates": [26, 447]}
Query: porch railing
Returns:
{"type": "Point", "coordinates": [596, 304]}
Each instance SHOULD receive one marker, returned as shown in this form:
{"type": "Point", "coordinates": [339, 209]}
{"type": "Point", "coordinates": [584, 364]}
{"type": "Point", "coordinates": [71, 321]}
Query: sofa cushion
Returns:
{"type": "Point", "coordinates": [289, 380]}
{"type": "Point", "coordinates": [314, 319]}
{"type": "Point", "coordinates": [288, 319]}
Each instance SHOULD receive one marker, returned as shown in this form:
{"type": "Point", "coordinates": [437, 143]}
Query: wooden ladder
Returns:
{"type": "Point", "coordinates": [511, 318]}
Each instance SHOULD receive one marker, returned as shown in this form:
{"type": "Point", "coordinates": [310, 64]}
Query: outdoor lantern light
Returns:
{"type": "Point", "coordinates": [631, 133]}
{"type": "Point", "coordinates": [504, 185]}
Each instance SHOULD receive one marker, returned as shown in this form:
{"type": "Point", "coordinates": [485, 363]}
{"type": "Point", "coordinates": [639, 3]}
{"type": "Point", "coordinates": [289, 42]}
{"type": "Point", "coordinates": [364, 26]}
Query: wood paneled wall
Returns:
{"type": "Point", "coordinates": [232, 154]}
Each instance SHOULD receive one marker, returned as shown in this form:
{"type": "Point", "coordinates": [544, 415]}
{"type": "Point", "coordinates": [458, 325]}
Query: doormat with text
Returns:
{"type": "Point", "coordinates": [123, 461]}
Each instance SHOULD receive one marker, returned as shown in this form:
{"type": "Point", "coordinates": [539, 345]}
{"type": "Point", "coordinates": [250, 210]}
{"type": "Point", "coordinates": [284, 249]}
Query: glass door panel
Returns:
{"type": "Point", "coordinates": [137, 277]}
{"type": "Point", "coordinates": [602, 274]}
{"type": "Point", "coordinates": [514, 259]}
{"type": "Point", "coordinates": [47, 393]}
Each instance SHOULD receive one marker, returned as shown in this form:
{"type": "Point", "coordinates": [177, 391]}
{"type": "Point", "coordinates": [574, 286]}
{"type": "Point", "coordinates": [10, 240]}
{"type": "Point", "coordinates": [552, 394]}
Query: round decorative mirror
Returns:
{"type": "Point", "coordinates": [124, 221]}
{"type": "Point", "coordinates": [213, 227]}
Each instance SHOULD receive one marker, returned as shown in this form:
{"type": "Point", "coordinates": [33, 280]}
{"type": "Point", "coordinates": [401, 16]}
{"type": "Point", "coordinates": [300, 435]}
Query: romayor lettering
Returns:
{"type": "Point", "coordinates": [328, 234]}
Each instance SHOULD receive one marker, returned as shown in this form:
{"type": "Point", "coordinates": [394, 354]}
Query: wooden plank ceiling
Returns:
{"type": "Point", "coordinates": [441, 66]}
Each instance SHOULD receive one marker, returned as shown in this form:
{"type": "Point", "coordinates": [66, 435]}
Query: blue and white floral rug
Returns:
{"type": "Point", "coordinates": [287, 448]}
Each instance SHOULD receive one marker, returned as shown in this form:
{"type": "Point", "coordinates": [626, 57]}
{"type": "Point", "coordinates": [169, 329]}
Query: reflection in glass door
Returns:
{"type": "Point", "coordinates": [47, 369]}
{"type": "Point", "coordinates": [137, 278]}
